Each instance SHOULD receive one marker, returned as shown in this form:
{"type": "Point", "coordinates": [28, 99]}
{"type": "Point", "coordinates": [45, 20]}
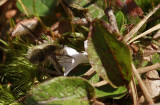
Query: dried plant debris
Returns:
{"type": "Point", "coordinates": [3, 2]}
{"type": "Point", "coordinates": [61, 27]}
{"type": "Point", "coordinates": [19, 29]}
{"type": "Point", "coordinates": [111, 18]}
{"type": "Point", "coordinates": [152, 82]}
{"type": "Point", "coordinates": [132, 8]}
{"type": "Point", "coordinates": [157, 35]}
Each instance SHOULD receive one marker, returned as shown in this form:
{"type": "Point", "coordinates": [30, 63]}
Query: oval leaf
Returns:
{"type": "Point", "coordinates": [62, 91]}
{"type": "Point", "coordinates": [109, 92]}
{"type": "Point", "coordinates": [120, 19]}
{"type": "Point", "coordinates": [109, 57]}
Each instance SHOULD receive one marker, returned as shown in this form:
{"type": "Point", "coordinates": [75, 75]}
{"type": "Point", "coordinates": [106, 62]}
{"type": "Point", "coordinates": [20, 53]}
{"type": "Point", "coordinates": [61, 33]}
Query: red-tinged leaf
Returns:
{"type": "Point", "coordinates": [61, 91]}
{"type": "Point", "coordinates": [129, 6]}
{"type": "Point", "coordinates": [109, 57]}
{"type": "Point", "coordinates": [133, 9]}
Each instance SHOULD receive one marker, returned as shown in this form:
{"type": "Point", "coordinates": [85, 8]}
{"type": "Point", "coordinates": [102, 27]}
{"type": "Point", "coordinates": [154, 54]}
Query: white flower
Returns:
{"type": "Point", "coordinates": [71, 58]}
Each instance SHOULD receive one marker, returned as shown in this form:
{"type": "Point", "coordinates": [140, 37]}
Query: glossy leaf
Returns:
{"type": "Point", "coordinates": [109, 57]}
{"type": "Point", "coordinates": [39, 7]}
{"type": "Point", "coordinates": [110, 92]}
{"type": "Point", "coordinates": [61, 90]}
{"type": "Point", "coordinates": [120, 19]}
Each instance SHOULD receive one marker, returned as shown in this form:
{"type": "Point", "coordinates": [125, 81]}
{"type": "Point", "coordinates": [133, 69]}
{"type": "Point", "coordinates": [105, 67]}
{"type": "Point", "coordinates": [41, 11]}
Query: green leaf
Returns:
{"type": "Point", "coordinates": [16, 104]}
{"type": "Point", "coordinates": [94, 79]}
{"type": "Point", "coordinates": [109, 92]}
{"type": "Point", "coordinates": [138, 58]}
{"type": "Point", "coordinates": [109, 57]}
{"type": "Point", "coordinates": [155, 58]}
{"type": "Point", "coordinates": [62, 91]}
{"type": "Point", "coordinates": [6, 97]}
{"type": "Point", "coordinates": [96, 12]}
{"type": "Point", "coordinates": [39, 7]}
{"type": "Point", "coordinates": [120, 19]}
{"type": "Point", "coordinates": [100, 3]}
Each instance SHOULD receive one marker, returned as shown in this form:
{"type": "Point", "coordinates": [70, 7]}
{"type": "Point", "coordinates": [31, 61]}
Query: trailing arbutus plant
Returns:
{"type": "Point", "coordinates": [102, 68]}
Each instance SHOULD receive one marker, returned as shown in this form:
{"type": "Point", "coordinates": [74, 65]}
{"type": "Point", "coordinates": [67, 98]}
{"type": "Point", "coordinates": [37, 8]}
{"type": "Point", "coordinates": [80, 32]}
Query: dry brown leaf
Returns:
{"type": "Point", "coordinates": [133, 9]}
{"type": "Point", "coordinates": [129, 6]}
{"type": "Point", "coordinates": [11, 13]}
{"type": "Point", "coordinates": [61, 27]}
{"type": "Point", "coordinates": [31, 24]}
{"type": "Point", "coordinates": [152, 82]}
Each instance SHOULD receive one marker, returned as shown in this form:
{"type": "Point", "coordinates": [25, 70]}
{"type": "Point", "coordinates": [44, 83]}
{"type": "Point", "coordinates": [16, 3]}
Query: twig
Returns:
{"type": "Point", "coordinates": [145, 33]}
{"type": "Point", "coordinates": [101, 83]}
{"type": "Point", "coordinates": [141, 84]}
{"type": "Point", "coordinates": [134, 92]}
{"type": "Point", "coordinates": [3, 2]}
{"type": "Point", "coordinates": [140, 24]}
{"type": "Point", "coordinates": [156, 35]}
{"type": "Point", "coordinates": [149, 68]}
{"type": "Point", "coordinates": [111, 18]}
{"type": "Point", "coordinates": [89, 73]}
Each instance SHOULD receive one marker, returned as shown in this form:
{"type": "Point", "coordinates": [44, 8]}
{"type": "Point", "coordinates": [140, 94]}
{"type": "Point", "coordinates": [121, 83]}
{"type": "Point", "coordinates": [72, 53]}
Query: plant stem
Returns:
{"type": "Point", "coordinates": [145, 33]}
{"type": "Point", "coordinates": [89, 73]}
{"type": "Point", "coordinates": [111, 18]}
{"type": "Point", "coordinates": [134, 92]}
{"type": "Point", "coordinates": [101, 83]}
{"type": "Point", "coordinates": [149, 68]}
{"type": "Point", "coordinates": [141, 84]}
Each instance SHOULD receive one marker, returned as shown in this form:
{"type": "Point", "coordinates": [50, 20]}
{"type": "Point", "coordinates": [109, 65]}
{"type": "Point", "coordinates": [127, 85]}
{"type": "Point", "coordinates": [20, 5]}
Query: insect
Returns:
{"type": "Point", "coordinates": [39, 53]}
{"type": "Point", "coordinates": [59, 56]}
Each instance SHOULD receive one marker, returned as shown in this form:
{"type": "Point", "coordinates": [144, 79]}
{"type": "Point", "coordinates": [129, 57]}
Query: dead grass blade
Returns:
{"type": "Point", "coordinates": [140, 24]}
{"type": "Point", "coordinates": [141, 84]}
{"type": "Point", "coordinates": [145, 33]}
{"type": "Point", "coordinates": [149, 68]}
{"type": "Point", "coordinates": [134, 92]}
{"type": "Point", "coordinates": [101, 83]}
